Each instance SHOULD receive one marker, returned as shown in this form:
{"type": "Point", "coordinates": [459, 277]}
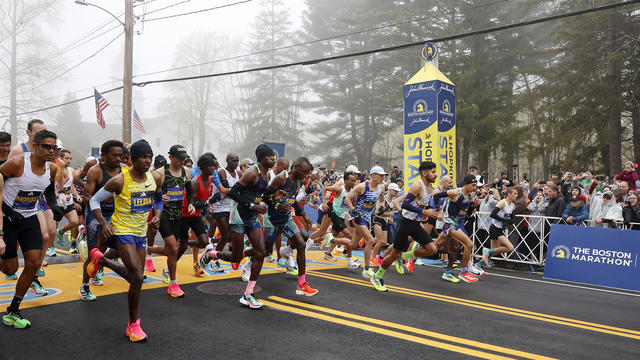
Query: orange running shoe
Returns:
{"type": "Point", "coordinates": [377, 260]}
{"type": "Point", "coordinates": [306, 290]}
{"type": "Point", "coordinates": [134, 332]}
{"type": "Point", "coordinates": [92, 266]}
{"type": "Point", "coordinates": [409, 264]}
{"type": "Point", "coordinates": [174, 290]}
{"type": "Point", "coordinates": [467, 277]}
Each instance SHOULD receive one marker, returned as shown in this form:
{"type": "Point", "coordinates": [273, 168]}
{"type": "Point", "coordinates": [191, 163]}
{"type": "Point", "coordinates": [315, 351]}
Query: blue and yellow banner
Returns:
{"type": "Point", "coordinates": [278, 148]}
{"type": "Point", "coordinates": [429, 124]}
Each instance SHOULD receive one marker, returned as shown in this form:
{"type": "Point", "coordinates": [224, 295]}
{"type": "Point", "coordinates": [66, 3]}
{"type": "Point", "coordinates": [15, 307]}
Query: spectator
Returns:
{"type": "Point", "coordinates": [629, 175]}
{"type": "Point", "coordinates": [624, 188]}
{"type": "Point", "coordinates": [537, 208]}
{"type": "Point", "coordinates": [484, 177]}
{"type": "Point", "coordinates": [474, 171]}
{"type": "Point", "coordinates": [575, 212]}
{"type": "Point", "coordinates": [557, 202]}
{"type": "Point", "coordinates": [395, 174]}
{"type": "Point", "coordinates": [595, 204]}
{"type": "Point", "coordinates": [503, 182]}
{"type": "Point", "coordinates": [608, 211]}
{"type": "Point", "coordinates": [578, 191]}
{"type": "Point", "coordinates": [400, 183]}
{"type": "Point", "coordinates": [631, 211]}
{"type": "Point", "coordinates": [537, 187]}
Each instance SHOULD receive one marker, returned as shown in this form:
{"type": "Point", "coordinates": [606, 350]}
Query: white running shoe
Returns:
{"type": "Point", "coordinates": [368, 274]}
{"type": "Point", "coordinates": [246, 271]}
{"type": "Point", "coordinates": [308, 245]}
{"type": "Point", "coordinates": [353, 264]}
{"type": "Point", "coordinates": [287, 253]}
{"type": "Point", "coordinates": [474, 270]}
{"type": "Point", "coordinates": [418, 262]}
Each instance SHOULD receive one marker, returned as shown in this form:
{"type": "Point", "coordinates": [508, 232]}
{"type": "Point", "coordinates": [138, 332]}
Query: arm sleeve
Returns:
{"type": "Point", "coordinates": [494, 215]}
{"type": "Point", "coordinates": [216, 179]}
{"type": "Point", "coordinates": [235, 195]}
{"type": "Point", "coordinates": [158, 204]}
{"type": "Point", "coordinates": [437, 197]}
{"type": "Point", "coordinates": [406, 204]}
{"type": "Point", "coordinates": [99, 197]}
{"type": "Point", "coordinates": [50, 195]}
{"type": "Point", "coordinates": [188, 188]}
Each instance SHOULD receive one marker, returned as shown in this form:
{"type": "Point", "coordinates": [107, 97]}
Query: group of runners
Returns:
{"type": "Point", "coordinates": [116, 204]}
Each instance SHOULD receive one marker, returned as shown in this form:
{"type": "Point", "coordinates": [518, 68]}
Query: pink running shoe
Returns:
{"type": "Point", "coordinates": [148, 263]}
{"type": "Point", "coordinates": [134, 332]}
{"type": "Point", "coordinates": [174, 290]}
{"type": "Point", "coordinates": [92, 266]}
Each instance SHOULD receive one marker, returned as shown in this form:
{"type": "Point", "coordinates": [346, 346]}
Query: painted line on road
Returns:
{"type": "Point", "coordinates": [634, 334]}
{"type": "Point", "coordinates": [440, 336]}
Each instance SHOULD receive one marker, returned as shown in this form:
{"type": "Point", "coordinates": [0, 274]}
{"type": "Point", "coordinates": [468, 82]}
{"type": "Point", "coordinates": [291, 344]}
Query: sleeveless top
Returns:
{"type": "Point", "coordinates": [253, 193]}
{"type": "Point", "coordinates": [423, 203]}
{"type": "Point", "coordinates": [174, 187]}
{"type": "Point", "coordinates": [340, 207]}
{"type": "Point", "coordinates": [366, 202]}
{"type": "Point", "coordinates": [21, 193]}
{"type": "Point", "coordinates": [107, 206]}
{"type": "Point", "coordinates": [276, 216]}
{"type": "Point", "coordinates": [132, 205]}
{"type": "Point", "coordinates": [66, 190]}
{"type": "Point", "coordinates": [225, 203]}
{"type": "Point", "coordinates": [203, 194]}
{"type": "Point", "coordinates": [505, 213]}
{"type": "Point", "coordinates": [459, 209]}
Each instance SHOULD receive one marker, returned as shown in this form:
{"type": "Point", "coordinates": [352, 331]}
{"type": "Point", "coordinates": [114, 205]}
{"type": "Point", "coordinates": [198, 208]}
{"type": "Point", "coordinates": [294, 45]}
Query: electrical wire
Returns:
{"type": "Point", "coordinates": [197, 11]}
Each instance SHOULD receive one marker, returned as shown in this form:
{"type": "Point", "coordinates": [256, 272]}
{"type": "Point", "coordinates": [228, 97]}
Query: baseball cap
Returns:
{"type": "Point", "coordinates": [378, 170]}
{"type": "Point", "coordinates": [394, 186]}
{"type": "Point", "coordinates": [469, 179]}
{"type": "Point", "coordinates": [178, 151]}
{"type": "Point", "coordinates": [576, 198]}
{"type": "Point", "coordinates": [159, 161]}
{"type": "Point", "coordinates": [353, 169]}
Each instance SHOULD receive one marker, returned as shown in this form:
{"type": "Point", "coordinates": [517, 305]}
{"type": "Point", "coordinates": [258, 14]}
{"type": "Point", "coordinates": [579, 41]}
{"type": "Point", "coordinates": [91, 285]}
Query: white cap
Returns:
{"type": "Point", "coordinates": [353, 169]}
{"type": "Point", "coordinates": [59, 143]}
{"type": "Point", "coordinates": [378, 170]}
{"type": "Point", "coordinates": [394, 186]}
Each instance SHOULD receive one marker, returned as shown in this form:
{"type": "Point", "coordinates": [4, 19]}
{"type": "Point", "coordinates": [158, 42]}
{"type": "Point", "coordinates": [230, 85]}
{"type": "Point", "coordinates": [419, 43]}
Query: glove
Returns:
{"type": "Point", "coordinates": [199, 204]}
{"type": "Point", "coordinates": [356, 217]}
{"type": "Point", "coordinates": [380, 211]}
{"type": "Point", "coordinates": [215, 198]}
{"type": "Point", "coordinates": [58, 214]}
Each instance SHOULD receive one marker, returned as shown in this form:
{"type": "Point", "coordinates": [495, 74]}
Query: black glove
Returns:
{"type": "Point", "coordinates": [356, 217]}
{"type": "Point", "coordinates": [199, 204]}
{"type": "Point", "coordinates": [380, 211]}
{"type": "Point", "coordinates": [58, 214]}
{"type": "Point", "coordinates": [215, 198]}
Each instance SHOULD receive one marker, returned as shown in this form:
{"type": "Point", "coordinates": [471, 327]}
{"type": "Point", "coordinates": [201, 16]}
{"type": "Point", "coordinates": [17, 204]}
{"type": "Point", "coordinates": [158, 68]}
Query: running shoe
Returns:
{"type": "Point", "coordinates": [216, 267]}
{"type": "Point", "coordinates": [148, 264]}
{"type": "Point", "coordinates": [60, 238]}
{"type": "Point", "coordinates": [205, 258]}
{"type": "Point", "coordinates": [450, 277]}
{"type": "Point", "coordinates": [467, 277]}
{"type": "Point", "coordinates": [15, 319]}
{"type": "Point", "coordinates": [292, 270]}
{"type": "Point", "coordinates": [73, 249]}
{"type": "Point", "coordinates": [51, 251]}
{"type": "Point", "coordinates": [344, 256]}
{"type": "Point", "coordinates": [92, 267]}
{"type": "Point", "coordinates": [282, 262]}
{"type": "Point", "coordinates": [86, 294]}
{"type": "Point", "coordinates": [326, 241]}
{"type": "Point", "coordinates": [250, 301]}
{"type": "Point", "coordinates": [83, 250]}
{"type": "Point", "coordinates": [419, 262]}
{"type": "Point", "coordinates": [329, 257]}
{"type": "Point", "coordinates": [475, 271]}
{"type": "Point", "coordinates": [174, 290]}
{"type": "Point", "coordinates": [197, 270]}
{"type": "Point", "coordinates": [246, 271]}
{"type": "Point", "coordinates": [11, 277]}
{"type": "Point", "coordinates": [287, 253]}
{"type": "Point", "coordinates": [362, 243]}
{"type": "Point", "coordinates": [306, 290]}
{"type": "Point", "coordinates": [308, 245]}
{"type": "Point", "coordinates": [409, 264]}
{"type": "Point", "coordinates": [378, 284]}
{"type": "Point", "coordinates": [38, 289]}
{"type": "Point", "coordinates": [399, 267]}
{"type": "Point", "coordinates": [45, 263]}
{"type": "Point", "coordinates": [134, 332]}
{"type": "Point", "coordinates": [235, 265]}
{"type": "Point", "coordinates": [97, 280]}
{"type": "Point", "coordinates": [485, 257]}
{"type": "Point", "coordinates": [354, 265]}
{"type": "Point", "coordinates": [377, 260]}
{"type": "Point", "coordinates": [41, 272]}
{"type": "Point", "coordinates": [166, 277]}
{"type": "Point", "coordinates": [414, 246]}
{"type": "Point", "coordinates": [270, 258]}
{"type": "Point", "coordinates": [368, 274]}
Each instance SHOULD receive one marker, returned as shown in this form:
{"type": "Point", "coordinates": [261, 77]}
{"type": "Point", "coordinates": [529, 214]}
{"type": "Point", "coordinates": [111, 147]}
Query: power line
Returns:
{"type": "Point", "coordinates": [198, 11]}
{"type": "Point", "coordinates": [360, 53]}
{"type": "Point", "coordinates": [166, 7]}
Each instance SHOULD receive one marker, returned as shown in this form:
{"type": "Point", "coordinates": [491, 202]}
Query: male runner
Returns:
{"type": "Point", "coordinates": [456, 211]}
{"type": "Point", "coordinates": [175, 179]}
{"type": "Point", "coordinates": [159, 163]}
{"type": "Point", "coordinates": [416, 206]}
{"type": "Point", "coordinates": [66, 194]}
{"type": "Point", "coordinates": [383, 218]}
{"type": "Point", "coordinates": [135, 191]}
{"type": "Point", "coordinates": [97, 177]}
{"type": "Point", "coordinates": [24, 179]}
{"type": "Point", "coordinates": [282, 165]}
{"type": "Point", "coordinates": [500, 216]}
{"type": "Point", "coordinates": [5, 146]}
{"type": "Point", "coordinates": [247, 195]}
{"type": "Point", "coordinates": [363, 201]}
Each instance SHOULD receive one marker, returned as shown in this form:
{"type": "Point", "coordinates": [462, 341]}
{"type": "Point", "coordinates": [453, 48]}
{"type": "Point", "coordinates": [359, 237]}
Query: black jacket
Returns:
{"type": "Point", "coordinates": [556, 206]}
{"type": "Point", "coordinates": [631, 215]}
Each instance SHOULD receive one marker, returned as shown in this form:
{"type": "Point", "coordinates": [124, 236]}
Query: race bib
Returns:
{"type": "Point", "coordinates": [291, 201]}
{"type": "Point", "coordinates": [141, 202]}
{"type": "Point", "coordinates": [175, 194]}
{"type": "Point", "coordinates": [257, 200]}
{"type": "Point", "coordinates": [26, 200]}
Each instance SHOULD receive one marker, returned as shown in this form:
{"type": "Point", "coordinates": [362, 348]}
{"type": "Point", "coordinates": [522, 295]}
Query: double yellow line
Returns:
{"type": "Point", "coordinates": [633, 334]}
{"type": "Point", "coordinates": [429, 338]}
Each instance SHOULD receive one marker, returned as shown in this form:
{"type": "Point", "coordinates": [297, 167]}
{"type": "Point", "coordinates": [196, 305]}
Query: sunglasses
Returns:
{"type": "Point", "coordinates": [48, 146]}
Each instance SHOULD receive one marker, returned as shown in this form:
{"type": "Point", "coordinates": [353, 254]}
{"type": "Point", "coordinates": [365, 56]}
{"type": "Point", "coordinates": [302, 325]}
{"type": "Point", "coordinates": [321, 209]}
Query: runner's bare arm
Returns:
{"type": "Point", "coordinates": [351, 197]}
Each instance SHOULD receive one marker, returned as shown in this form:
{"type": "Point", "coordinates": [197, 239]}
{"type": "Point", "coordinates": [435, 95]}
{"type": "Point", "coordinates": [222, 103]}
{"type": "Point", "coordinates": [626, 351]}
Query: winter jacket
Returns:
{"type": "Point", "coordinates": [631, 215]}
{"type": "Point", "coordinates": [537, 209]}
{"type": "Point", "coordinates": [556, 206]}
{"type": "Point", "coordinates": [629, 177]}
{"type": "Point", "coordinates": [580, 214]}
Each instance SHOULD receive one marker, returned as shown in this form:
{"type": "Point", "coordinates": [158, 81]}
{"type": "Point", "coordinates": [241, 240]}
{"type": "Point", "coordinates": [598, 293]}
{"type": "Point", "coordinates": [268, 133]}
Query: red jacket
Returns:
{"type": "Point", "coordinates": [629, 177]}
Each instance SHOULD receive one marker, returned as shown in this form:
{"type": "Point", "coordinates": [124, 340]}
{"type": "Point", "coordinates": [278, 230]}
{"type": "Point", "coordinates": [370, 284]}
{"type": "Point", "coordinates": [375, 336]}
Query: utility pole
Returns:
{"type": "Point", "coordinates": [127, 90]}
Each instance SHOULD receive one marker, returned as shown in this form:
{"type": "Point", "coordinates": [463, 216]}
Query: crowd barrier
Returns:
{"type": "Point", "coordinates": [529, 236]}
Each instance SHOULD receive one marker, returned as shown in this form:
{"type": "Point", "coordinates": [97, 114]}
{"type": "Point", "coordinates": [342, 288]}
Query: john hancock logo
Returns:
{"type": "Point", "coordinates": [561, 252]}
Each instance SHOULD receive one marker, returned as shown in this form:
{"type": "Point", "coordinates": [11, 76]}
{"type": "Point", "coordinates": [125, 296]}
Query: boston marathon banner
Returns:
{"type": "Point", "coordinates": [278, 148]}
{"type": "Point", "coordinates": [429, 123]}
{"type": "Point", "coordinates": [606, 257]}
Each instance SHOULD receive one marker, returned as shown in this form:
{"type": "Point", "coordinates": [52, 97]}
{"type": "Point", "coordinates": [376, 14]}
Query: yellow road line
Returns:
{"type": "Point", "coordinates": [496, 308]}
{"type": "Point", "coordinates": [419, 331]}
{"type": "Point", "coordinates": [382, 331]}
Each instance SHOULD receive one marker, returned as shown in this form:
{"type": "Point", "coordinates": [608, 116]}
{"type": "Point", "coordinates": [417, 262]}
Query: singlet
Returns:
{"type": "Point", "coordinates": [276, 216]}
{"type": "Point", "coordinates": [24, 147]}
{"type": "Point", "coordinates": [203, 194]}
{"type": "Point", "coordinates": [340, 207]}
{"type": "Point", "coordinates": [388, 206]}
{"type": "Point", "coordinates": [21, 193]}
{"type": "Point", "coordinates": [366, 202]}
{"type": "Point", "coordinates": [459, 209]}
{"type": "Point", "coordinates": [225, 203]}
{"type": "Point", "coordinates": [66, 190]}
{"type": "Point", "coordinates": [174, 187]}
{"type": "Point", "coordinates": [107, 206]}
{"type": "Point", "coordinates": [132, 205]}
{"type": "Point", "coordinates": [504, 213]}
{"type": "Point", "coordinates": [253, 193]}
{"type": "Point", "coordinates": [424, 202]}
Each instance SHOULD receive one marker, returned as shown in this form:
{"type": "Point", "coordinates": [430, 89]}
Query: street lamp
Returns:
{"type": "Point", "coordinates": [127, 81]}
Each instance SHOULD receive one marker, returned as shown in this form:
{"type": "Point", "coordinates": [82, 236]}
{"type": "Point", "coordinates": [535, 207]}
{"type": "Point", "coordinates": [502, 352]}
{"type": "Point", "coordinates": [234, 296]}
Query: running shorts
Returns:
{"type": "Point", "coordinates": [337, 223]}
{"type": "Point", "coordinates": [169, 227]}
{"type": "Point", "coordinates": [139, 241]}
{"type": "Point", "coordinates": [495, 232]}
{"type": "Point", "coordinates": [93, 228]}
{"type": "Point", "coordinates": [411, 228]}
{"type": "Point", "coordinates": [380, 221]}
{"type": "Point", "coordinates": [26, 233]}
{"type": "Point", "coordinates": [195, 223]}
{"type": "Point", "coordinates": [223, 214]}
{"type": "Point", "coordinates": [289, 229]}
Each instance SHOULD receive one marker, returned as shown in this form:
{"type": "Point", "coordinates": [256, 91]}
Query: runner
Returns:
{"type": "Point", "coordinates": [416, 206]}
{"type": "Point", "coordinates": [79, 182]}
{"type": "Point", "coordinates": [500, 216]}
{"type": "Point", "coordinates": [66, 196]}
{"type": "Point", "coordinates": [175, 179]}
{"type": "Point", "coordinates": [247, 194]}
{"type": "Point", "coordinates": [159, 163]}
{"type": "Point", "coordinates": [363, 201]}
{"type": "Point", "coordinates": [282, 165]}
{"type": "Point", "coordinates": [97, 177]}
{"type": "Point", "coordinates": [135, 191]}
{"type": "Point", "coordinates": [220, 210]}
{"type": "Point", "coordinates": [5, 146]}
{"type": "Point", "coordinates": [24, 179]}
{"type": "Point", "coordinates": [456, 211]}
{"type": "Point", "coordinates": [382, 219]}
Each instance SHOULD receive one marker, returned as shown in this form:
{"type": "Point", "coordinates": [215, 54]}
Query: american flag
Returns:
{"type": "Point", "coordinates": [101, 104]}
{"type": "Point", "coordinates": [137, 122]}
